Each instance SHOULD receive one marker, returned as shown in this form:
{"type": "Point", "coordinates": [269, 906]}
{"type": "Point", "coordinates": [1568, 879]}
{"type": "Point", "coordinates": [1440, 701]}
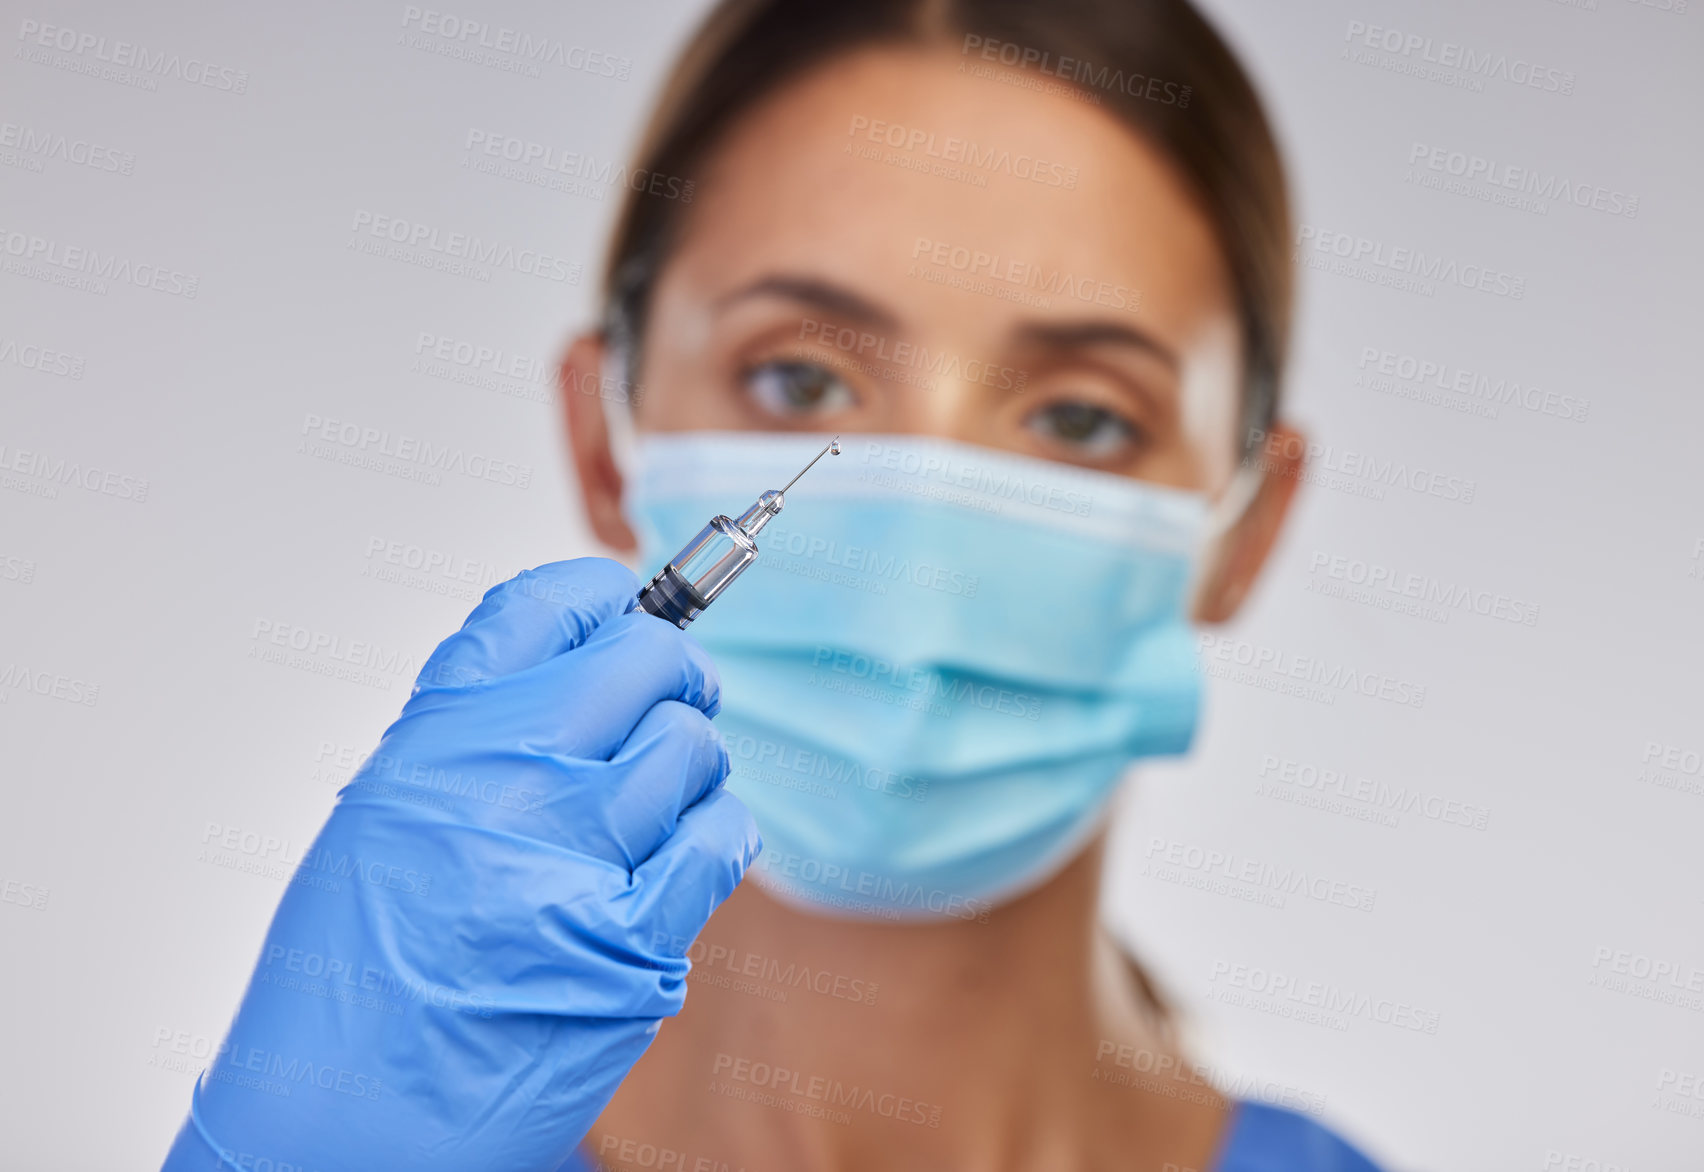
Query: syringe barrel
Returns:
{"type": "Point", "coordinates": [699, 572]}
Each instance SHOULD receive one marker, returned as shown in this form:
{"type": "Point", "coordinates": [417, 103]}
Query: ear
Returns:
{"type": "Point", "coordinates": [1235, 559]}
{"type": "Point", "coordinates": [580, 380]}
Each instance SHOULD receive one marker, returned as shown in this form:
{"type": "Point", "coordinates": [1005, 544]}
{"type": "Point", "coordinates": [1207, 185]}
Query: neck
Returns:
{"type": "Point", "coordinates": [816, 1043]}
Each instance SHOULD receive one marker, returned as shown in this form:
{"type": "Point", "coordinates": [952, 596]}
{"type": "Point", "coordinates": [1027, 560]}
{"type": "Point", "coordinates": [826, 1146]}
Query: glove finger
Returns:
{"type": "Point", "coordinates": [534, 616]}
{"type": "Point", "coordinates": [671, 760]}
{"type": "Point", "coordinates": [694, 870]}
{"type": "Point", "coordinates": [586, 703]}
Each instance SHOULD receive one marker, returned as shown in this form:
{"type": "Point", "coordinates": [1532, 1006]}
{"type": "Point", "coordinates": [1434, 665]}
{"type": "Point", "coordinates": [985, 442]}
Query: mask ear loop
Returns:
{"type": "Point", "coordinates": [618, 415]}
{"type": "Point", "coordinates": [1233, 504]}
{"type": "Point", "coordinates": [620, 362]}
{"type": "Point", "coordinates": [1222, 516]}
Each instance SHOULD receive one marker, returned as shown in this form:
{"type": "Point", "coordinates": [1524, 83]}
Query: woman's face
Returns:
{"type": "Point", "coordinates": [829, 281]}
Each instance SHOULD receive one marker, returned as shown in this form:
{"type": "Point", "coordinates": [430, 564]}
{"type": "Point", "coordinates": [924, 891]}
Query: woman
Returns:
{"type": "Point", "coordinates": [1029, 261]}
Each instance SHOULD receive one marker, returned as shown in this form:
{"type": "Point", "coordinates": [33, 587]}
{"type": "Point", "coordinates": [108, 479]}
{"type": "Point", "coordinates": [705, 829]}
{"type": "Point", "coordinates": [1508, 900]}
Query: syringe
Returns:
{"type": "Point", "coordinates": [720, 553]}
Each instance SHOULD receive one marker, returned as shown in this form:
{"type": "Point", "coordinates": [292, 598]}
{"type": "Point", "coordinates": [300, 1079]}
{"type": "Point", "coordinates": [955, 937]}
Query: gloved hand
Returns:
{"type": "Point", "coordinates": [483, 938]}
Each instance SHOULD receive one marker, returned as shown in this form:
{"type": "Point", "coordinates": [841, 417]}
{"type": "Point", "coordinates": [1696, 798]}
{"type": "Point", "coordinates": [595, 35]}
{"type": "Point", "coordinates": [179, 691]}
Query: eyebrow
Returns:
{"type": "Point", "coordinates": [1079, 335]}
{"type": "Point", "coordinates": [813, 291]}
{"type": "Point", "coordinates": [828, 297]}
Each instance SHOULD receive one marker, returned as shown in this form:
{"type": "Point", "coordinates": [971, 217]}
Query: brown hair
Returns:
{"type": "Point", "coordinates": [1156, 64]}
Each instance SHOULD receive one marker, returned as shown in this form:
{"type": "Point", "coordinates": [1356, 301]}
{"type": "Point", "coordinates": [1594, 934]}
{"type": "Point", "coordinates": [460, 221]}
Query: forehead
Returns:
{"type": "Point", "coordinates": [903, 174]}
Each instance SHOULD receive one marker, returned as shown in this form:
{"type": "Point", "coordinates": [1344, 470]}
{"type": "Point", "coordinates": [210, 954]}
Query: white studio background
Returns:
{"type": "Point", "coordinates": [1551, 954]}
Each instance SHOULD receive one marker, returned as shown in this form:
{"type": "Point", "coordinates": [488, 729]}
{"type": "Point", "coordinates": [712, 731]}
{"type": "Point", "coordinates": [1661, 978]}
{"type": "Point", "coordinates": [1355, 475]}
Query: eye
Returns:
{"type": "Point", "coordinates": [1087, 428]}
{"type": "Point", "coordinates": [798, 388]}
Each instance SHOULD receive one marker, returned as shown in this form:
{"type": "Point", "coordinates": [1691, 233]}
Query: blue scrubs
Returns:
{"type": "Point", "coordinates": [1260, 1139]}
{"type": "Point", "coordinates": [1272, 1139]}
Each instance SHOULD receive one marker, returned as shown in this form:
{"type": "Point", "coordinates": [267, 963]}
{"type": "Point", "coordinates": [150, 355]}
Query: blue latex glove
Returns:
{"type": "Point", "coordinates": [483, 939]}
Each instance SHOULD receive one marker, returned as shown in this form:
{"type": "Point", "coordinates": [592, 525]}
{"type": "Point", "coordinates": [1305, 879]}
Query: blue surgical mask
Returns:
{"type": "Point", "coordinates": [942, 662]}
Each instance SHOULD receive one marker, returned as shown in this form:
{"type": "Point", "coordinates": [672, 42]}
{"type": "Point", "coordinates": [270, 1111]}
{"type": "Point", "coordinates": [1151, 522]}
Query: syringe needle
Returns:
{"type": "Point", "coordinates": [833, 445]}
